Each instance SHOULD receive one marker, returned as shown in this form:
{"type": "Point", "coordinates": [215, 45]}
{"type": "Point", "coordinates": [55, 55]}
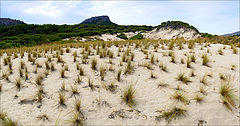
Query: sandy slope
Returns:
{"type": "Point", "coordinates": [99, 106]}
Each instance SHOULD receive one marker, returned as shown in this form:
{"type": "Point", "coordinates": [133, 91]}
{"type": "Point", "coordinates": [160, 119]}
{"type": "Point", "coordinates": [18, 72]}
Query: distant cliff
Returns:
{"type": "Point", "coordinates": [9, 22]}
{"type": "Point", "coordinates": [98, 20]}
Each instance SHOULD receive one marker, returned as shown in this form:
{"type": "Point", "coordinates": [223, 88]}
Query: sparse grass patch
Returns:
{"type": "Point", "coordinates": [203, 80]}
{"type": "Point", "coordinates": [61, 96]}
{"type": "Point", "coordinates": [198, 97]}
{"type": "Point", "coordinates": [62, 73]}
{"type": "Point", "coordinates": [179, 96]}
{"type": "Point", "coordinates": [74, 90]}
{"type": "Point", "coordinates": [181, 77]}
{"type": "Point", "coordinates": [205, 60]}
{"type": "Point", "coordinates": [94, 64]}
{"type": "Point", "coordinates": [18, 83]}
{"type": "Point", "coordinates": [163, 67]}
{"type": "Point", "coordinates": [129, 96]}
{"type": "Point", "coordinates": [81, 71]}
{"type": "Point", "coordinates": [174, 113]}
{"type": "Point", "coordinates": [227, 92]}
{"type": "Point", "coordinates": [119, 75]}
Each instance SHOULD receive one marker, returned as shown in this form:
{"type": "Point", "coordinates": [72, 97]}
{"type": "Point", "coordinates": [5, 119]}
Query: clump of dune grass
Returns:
{"type": "Point", "coordinates": [102, 72]}
{"type": "Point", "coordinates": [152, 59]}
{"type": "Point", "coordinates": [188, 63]}
{"type": "Point", "coordinates": [132, 56]}
{"type": "Point", "coordinates": [79, 80]}
{"type": "Point", "coordinates": [192, 74]}
{"type": "Point", "coordinates": [26, 73]}
{"type": "Point", "coordinates": [233, 67]}
{"type": "Point", "coordinates": [180, 96]}
{"type": "Point", "coordinates": [78, 105]}
{"type": "Point", "coordinates": [162, 84]}
{"type": "Point", "coordinates": [119, 75]}
{"type": "Point", "coordinates": [112, 87]}
{"type": "Point", "coordinates": [62, 73]}
{"type": "Point", "coordinates": [235, 50]}
{"type": "Point", "coordinates": [52, 67]}
{"type": "Point", "coordinates": [18, 83]}
{"type": "Point", "coordinates": [39, 80]}
{"type": "Point", "coordinates": [163, 67]}
{"type": "Point", "coordinates": [171, 45]}
{"type": "Point", "coordinates": [181, 77]}
{"type": "Point", "coordinates": [204, 80]}
{"type": "Point", "coordinates": [173, 59]}
{"type": "Point", "coordinates": [224, 76]}
{"type": "Point", "coordinates": [174, 113]}
{"type": "Point", "coordinates": [227, 93]}
{"type": "Point", "coordinates": [198, 98]}
{"type": "Point", "coordinates": [43, 117]}
{"type": "Point", "coordinates": [39, 95]}
{"type": "Point", "coordinates": [90, 84]}
{"type": "Point", "coordinates": [152, 75]}
{"type": "Point", "coordinates": [61, 96]}
{"type": "Point", "coordinates": [205, 60]}
{"type": "Point", "coordinates": [193, 58]}
{"type": "Point", "coordinates": [202, 90]}
{"type": "Point", "coordinates": [76, 119]}
{"type": "Point", "coordinates": [94, 64]}
{"type": "Point", "coordinates": [22, 64]}
{"type": "Point", "coordinates": [5, 75]}
{"type": "Point", "coordinates": [5, 120]}
{"type": "Point", "coordinates": [220, 51]}
{"type": "Point", "coordinates": [81, 71]}
{"type": "Point", "coordinates": [128, 96]}
{"type": "Point", "coordinates": [20, 72]}
{"type": "Point", "coordinates": [129, 68]}
{"type": "Point", "coordinates": [47, 65]}
{"type": "Point", "coordinates": [75, 90]}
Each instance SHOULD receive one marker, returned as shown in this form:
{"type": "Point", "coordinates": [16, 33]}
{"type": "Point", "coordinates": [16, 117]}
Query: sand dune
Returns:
{"type": "Point", "coordinates": [101, 106]}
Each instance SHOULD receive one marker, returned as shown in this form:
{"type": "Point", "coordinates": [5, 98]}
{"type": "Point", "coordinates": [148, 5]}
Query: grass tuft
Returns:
{"type": "Point", "coordinates": [94, 64]}
{"type": "Point", "coordinates": [129, 96]}
{"type": "Point", "coordinates": [227, 94]}
{"type": "Point", "coordinates": [181, 77]}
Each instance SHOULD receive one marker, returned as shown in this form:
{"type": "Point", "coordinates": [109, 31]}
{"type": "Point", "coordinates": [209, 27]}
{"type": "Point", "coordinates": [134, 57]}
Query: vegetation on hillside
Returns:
{"type": "Point", "coordinates": [176, 25]}
{"type": "Point", "coordinates": [28, 35]}
{"type": "Point", "coordinates": [138, 36]}
{"type": "Point", "coordinates": [122, 36]}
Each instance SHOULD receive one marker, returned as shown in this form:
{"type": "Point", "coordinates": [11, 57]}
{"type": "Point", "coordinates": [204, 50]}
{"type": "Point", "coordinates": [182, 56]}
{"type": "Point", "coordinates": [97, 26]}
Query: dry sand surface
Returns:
{"type": "Point", "coordinates": [100, 106]}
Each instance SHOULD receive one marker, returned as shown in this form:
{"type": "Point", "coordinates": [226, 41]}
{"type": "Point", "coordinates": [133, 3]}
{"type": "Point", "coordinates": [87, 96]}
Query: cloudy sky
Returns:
{"type": "Point", "coordinates": [215, 17]}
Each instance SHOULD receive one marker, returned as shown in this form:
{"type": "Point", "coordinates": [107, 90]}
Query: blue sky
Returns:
{"type": "Point", "coordinates": [215, 17]}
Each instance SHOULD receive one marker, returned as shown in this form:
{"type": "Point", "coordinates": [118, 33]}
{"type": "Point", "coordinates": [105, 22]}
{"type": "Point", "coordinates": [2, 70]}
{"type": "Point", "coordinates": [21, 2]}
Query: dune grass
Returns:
{"type": "Point", "coordinates": [181, 77]}
{"type": "Point", "coordinates": [174, 113]}
{"type": "Point", "coordinates": [94, 64]}
{"type": "Point", "coordinates": [180, 96]}
{"type": "Point", "coordinates": [128, 96]}
{"type": "Point", "coordinates": [227, 93]}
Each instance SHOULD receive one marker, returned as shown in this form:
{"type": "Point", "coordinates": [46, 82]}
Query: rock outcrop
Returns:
{"type": "Point", "coordinates": [9, 22]}
{"type": "Point", "coordinates": [98, 20]}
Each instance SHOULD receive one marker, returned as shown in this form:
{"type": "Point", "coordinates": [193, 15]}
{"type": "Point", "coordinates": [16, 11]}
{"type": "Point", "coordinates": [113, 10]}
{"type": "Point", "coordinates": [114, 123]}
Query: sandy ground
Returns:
{"type": "Point", "coordinates": [102, 107]}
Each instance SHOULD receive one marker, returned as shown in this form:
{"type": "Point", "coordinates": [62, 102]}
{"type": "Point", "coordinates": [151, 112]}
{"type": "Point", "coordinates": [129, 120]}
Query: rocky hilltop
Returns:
{"type": "Point", "coordinates": [9, 22]}
{"type": "Point", "coordinates": [172, 30]}
{"type": "Point", "coordinates": [98, 20]}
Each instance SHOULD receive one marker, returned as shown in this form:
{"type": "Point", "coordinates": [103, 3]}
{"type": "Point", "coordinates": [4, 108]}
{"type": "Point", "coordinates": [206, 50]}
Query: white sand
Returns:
{"type": "Point", "coordinates": [149, 97]}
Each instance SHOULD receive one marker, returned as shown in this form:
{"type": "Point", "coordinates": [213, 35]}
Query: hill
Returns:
{"type": "Point", "coordinates": [31, 34]}
{"type": "Point", "coordinates": [9, 22]}
{"type": "Point", "coordinates": [232, 34]}
{"type": "Point", "coordinates": [98, 20]}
